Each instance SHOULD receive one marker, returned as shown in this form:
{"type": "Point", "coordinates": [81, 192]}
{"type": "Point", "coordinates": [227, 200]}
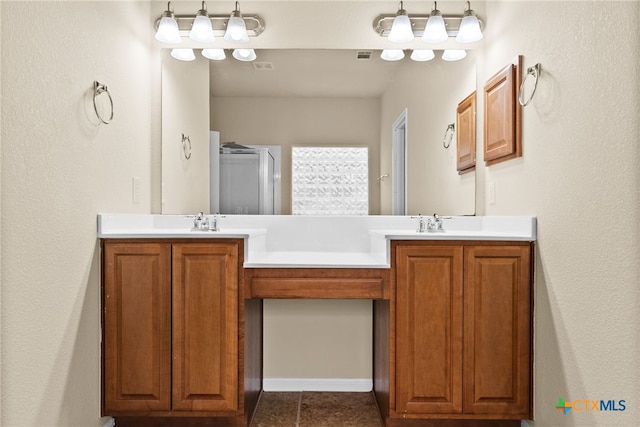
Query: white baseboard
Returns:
{"type": "Point", "coordinates": [317, 384]}
{"type": "Point", "coordinates": [110, 423]}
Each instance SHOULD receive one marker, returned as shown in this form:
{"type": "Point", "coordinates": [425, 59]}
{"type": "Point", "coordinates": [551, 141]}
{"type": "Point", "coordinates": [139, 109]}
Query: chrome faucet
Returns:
{"type": "Point", "coordinates": [434, 223]}
{"type": "Point", "coordinates": [214, 222]}
{"type": "Point", "coordinates": [200, 222]}
{"type": "Point", "coordinates": [421, 224]}
{"type": "Point", "coordinates": [203, 223]}
{"type": "Point", "coordinates": [431, 224]}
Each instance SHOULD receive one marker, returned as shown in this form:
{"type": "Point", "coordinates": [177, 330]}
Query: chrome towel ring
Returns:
{"type": "Point", "coordinates": [446, 142]}
{"type": "Point", "coordinates": [531, 71]}
{"type": "Point", "coordinates": [186, 146]}
{"type": "Point", "coordinates": [99, 89]}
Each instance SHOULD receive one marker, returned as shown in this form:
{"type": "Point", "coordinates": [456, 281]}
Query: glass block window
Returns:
{"type": "Point", "coordinates": [330, 180]}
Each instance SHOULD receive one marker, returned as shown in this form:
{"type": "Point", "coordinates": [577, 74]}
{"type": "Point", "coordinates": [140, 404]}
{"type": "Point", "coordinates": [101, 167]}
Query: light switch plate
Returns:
{"type": "Point", "coordinates": [135, 189]}
{"type": "Point", "coordinates": [492, 192]}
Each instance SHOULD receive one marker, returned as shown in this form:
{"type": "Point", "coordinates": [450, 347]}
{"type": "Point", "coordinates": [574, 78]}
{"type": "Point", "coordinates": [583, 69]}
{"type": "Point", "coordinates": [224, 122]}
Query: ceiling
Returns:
{"type": "Point", "coordinates": [302, 73]}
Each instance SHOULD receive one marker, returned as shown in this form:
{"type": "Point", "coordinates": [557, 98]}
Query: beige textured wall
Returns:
{"type": "Point", "coordinates": [310, 339]}
{"type": "Point", "coordinates": [61, 170]}
{"type": "Point", "coordinates": [579, 176]}
{"type": "Point", "coordinates": [1, 127]}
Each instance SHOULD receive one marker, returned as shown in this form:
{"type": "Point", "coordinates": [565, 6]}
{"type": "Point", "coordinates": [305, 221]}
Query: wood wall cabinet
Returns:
{"type": "Point", "coordinates": [466, 135]}
{"type": "Point", "coordinates": [503, 115]}
{"type": "Point", "coordinates": [462, 332]}
{"type": "Point", "coordinates": [171, 329]}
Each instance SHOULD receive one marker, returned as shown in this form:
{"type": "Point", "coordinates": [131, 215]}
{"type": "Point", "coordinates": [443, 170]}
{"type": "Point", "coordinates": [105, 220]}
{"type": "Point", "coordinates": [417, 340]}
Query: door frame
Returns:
{"type": "Point", "coordinates": [399, 164]}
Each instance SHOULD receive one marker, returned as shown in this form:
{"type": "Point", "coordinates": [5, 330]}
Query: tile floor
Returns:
{"type": "Point", "coordinates": [316, 409]}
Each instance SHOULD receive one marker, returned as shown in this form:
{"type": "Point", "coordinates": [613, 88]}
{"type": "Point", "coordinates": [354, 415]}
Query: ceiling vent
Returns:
{"type": "Point", "coordinates": [364, 54]}
{"type": "Point", "coordinates": [263, 66]}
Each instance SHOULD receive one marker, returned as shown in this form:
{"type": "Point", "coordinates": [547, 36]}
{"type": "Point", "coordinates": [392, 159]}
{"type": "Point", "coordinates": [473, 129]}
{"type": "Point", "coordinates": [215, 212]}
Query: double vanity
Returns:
{"type": "Point", "coordinates": [182, 312]}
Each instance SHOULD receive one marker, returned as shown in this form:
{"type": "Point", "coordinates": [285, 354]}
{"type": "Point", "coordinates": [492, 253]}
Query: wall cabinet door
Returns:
{"type": "Point", "coordinates": [205, 327]}
{"type": "Point", "coordinates": [429, 329]}
{"type": "Point", "coordinates": [137, 327]}
{"type": "Point", "coordinates": [497, 330]}
{"type": "Point", "coordinates": [503, 115]}
{"type": "Point", "coordinates": [466, 134]}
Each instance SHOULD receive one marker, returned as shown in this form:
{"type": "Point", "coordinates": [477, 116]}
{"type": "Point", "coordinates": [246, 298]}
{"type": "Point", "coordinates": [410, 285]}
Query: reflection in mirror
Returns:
{"type": "Point", "coordinates": [291, 98]}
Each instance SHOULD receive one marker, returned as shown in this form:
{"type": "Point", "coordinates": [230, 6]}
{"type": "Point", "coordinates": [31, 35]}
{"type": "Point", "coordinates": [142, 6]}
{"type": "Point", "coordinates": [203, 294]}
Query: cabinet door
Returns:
{"type": "Point", "coordinates": [428, 329]}
{"type": "Point", "coordinates": [205, 326]}
{"type": "Point", "coordinates": [497, 330]}
{"type": "Point", "coordinates": [137, 327]}
{"type": "Point", "coordinates": [503, 115]}
{"type": "Point", "coordinates": [466, 135]}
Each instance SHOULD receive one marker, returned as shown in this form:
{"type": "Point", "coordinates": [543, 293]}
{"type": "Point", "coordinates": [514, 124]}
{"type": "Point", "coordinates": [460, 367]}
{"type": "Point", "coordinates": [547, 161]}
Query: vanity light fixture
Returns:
{"type": "Point", "coordinates": [168, 31]}
{"type": "Point", "coordinates": [422, 55]}
{"type": "Point", "coordinates": [183, 54]}
{"type": "Point", "coordinates": [435, 30]}
{"type": "Point", "coordinates": [214, 54]}
{"type": "Point", "coordinates": [454, 54]}
{"type": "Point", "coordinates": [421, 25]}
{"type": "Point", "coordinates": [401, 31]}
{"type": "Point", "coordinates": [202, 30]}
{"type": "Point", "coordinates": [236, 28]}
{"type": "Point", "coordinates": [469, 27]}
{"type": "Point", "coordinates": [244, 54]}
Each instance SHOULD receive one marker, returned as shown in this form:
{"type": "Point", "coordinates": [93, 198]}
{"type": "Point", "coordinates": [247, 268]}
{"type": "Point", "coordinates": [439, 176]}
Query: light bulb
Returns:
{"type": "Point", "coordinates": [201, 30]}
{"type": "Point", "coordinates": [454, 54]}
{"type": "Point", "coordinates": [168, 31]}
{"type": "Point", "coordinates": [244, 54]}
{"type": "Point", "coordinates": [469, 29]}
{"type": "Point", "coordinates": [392, 54]}
{"type": "Point", "coordinates": [422, 55]}
{"type": "Point", "coordinates": [214, 54]}
{"type": "Point", "coordinates": [236, 28]}
{"type": "Point", "coordinates": [401, 31]}
{"type": "Point", "coordinates": [183, 54]}
{"type": "Point", "coordinates": [435, 31]}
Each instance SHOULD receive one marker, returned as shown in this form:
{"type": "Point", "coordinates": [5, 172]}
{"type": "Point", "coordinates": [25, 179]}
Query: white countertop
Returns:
{"type": "Point", "coordinates": [273, 241]}
{"type": "Point", "coordinates": [307, 259]}
{"type": "Point", "coordinates": [453, 235]}
{"type": "Point", "coordinates": [179, 233]}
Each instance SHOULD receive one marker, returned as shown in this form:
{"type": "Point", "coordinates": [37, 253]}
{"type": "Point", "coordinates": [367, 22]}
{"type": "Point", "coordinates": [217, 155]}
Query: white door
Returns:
{"type": "Point", "coordinates": [399, 165]}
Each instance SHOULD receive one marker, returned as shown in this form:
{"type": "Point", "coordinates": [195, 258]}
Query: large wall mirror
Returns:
{"type": "Point", "coordinates": [314, 98]}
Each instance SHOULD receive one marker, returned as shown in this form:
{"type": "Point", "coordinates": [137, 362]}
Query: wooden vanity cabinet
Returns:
{"type": "Point", "coordinates": [462, 331]}
{"type": "Point", "coordinates": [171, 328]}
